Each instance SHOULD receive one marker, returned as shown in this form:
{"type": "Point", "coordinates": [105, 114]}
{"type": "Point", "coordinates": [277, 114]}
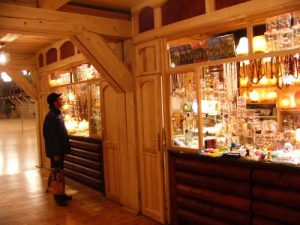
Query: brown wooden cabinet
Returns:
{"type": "Point", "coordinates": [216, 191]}
{"type": "Point", "coordinates": [85, 162]}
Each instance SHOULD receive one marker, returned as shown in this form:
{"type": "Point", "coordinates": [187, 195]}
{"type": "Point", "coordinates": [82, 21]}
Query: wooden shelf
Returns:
{"type": "Point", "coordinates": [190, 67]}
{"type": "Point", "coordinates": [266, 117]}
{"type": "Point", "coordinates": [75, 83]}
{"type": "Point", "coordinates": [261, 103]}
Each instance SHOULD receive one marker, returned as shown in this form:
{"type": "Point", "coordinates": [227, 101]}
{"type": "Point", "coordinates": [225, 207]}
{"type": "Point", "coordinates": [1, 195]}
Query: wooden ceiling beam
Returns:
{"type": "Point", "coordinates": [97, 51]}
{"type": "Point", "coordinates": [21, 81]}
{"type": "Point", "coordinates": [49, 22]}
{"type": "Point", "coordinates": [94, 12]}
{"type": "Point", "coordinates": [52, 4]}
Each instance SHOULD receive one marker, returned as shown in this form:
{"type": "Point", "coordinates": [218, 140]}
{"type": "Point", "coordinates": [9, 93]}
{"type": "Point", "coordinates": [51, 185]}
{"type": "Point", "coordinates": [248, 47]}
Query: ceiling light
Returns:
{"type": "Point", "coordinates": [9, 37]}
{"type": "Point", "coordinates": [242, 48]}
{"type": "Point", "coordinates": [4, 57]}
{"type": "Point", "coordinates": [5, 77]}
{"type": "Point", "coordinates": [26, 72]}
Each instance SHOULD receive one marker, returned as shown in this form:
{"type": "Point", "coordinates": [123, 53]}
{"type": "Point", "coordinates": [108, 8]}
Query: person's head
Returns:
{"type": "Point", "coordinates": [54, 100]}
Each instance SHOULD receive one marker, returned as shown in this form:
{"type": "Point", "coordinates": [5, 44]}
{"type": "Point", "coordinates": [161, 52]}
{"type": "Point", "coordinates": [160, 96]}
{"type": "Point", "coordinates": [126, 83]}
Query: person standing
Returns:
{"type": "Point", "coordinates": [56, 139]}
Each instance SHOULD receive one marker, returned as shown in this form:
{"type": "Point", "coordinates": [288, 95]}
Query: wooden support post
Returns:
{"type": "Point", "coordinates": [97, 51]}
{"type": "Point", "coordinates": [49, 22]}
{"type": "Point", "coordinates": [19, 79]}
{"type": "Point", "coordinates": [157, 17]}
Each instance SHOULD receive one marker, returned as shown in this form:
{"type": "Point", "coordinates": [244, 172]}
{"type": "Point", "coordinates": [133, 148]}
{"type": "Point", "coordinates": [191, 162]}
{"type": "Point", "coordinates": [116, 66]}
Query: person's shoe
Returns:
{"type": "Point", "coordinates": [61, 202]}
{"type": "Point", "coordinates": [67, 197]}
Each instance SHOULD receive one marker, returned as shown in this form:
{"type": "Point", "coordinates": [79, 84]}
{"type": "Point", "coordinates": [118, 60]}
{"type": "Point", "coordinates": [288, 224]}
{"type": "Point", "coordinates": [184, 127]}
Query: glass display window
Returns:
{"type": "Point", "coordinates": [83, 72]}
{"type": "Point", "coordinates": [80, 86]}
{"type": "Point", "coordinates": [96, 127]}
{"type": "Point", "coordinates": [184, 110]}
{"type": "Point", "coordinates": [75, 109]}
{"type": "Point", "coordinates": [218, 105]}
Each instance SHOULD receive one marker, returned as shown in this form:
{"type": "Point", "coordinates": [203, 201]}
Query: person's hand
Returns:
{"type": "Point", "coordinates": [56, 158]}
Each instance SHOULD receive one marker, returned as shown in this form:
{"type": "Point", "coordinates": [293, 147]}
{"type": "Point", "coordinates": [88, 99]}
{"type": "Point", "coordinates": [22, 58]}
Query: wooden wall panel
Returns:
{"type": "Point", "coordinates": [111, 145]}
{"type": "Point", "coordinates": [67, 50]}
{"type": "Point", "coordinates": [150, 127]}
{"type": "Point", "coordinates": [146, 19]}
{"type": "Point", "coordinates": [220, 4]}
{"type": "Point", "coordinates": [148, 57]}
{"type": "Point", "coordinates": [177, 10]}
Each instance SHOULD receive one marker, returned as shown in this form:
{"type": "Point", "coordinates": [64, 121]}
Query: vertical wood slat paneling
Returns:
{"type": "Point", "coordinates": [111, 148]}
{"type": "Point", "coordinates": [151, 157]}
{"type": "Point", "coordinates": [177, 10]}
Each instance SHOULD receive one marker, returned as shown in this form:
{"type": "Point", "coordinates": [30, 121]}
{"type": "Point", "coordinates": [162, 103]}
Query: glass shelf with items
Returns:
{"type": "Point", "coordinates": [184, 110]}
{"type": "Point", "coordinates": [81, 73]}
{"type": "Point", "coordinates": [75, 109]}
{"type": "Point", "coordinates": [218, 92]}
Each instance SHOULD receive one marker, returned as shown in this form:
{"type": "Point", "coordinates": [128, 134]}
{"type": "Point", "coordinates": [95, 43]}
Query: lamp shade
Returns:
{"type": "Point", "coordinates": [259, 44]}
{"type": "Point", "coordinates": [242, 48]}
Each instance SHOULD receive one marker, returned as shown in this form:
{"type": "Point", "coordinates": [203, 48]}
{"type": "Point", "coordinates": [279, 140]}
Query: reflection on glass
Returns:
{"type": "Point", "coordinates": [184, 110]}
{"type": "Point", "coordinates": [75, 109]}
{"type": "Point", "coordinates": [75, 74]}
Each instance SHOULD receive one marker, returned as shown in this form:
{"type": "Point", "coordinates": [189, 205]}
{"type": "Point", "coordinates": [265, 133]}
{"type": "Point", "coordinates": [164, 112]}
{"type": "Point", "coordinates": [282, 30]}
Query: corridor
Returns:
{"type": "Point", "coordinates": [23, 200]}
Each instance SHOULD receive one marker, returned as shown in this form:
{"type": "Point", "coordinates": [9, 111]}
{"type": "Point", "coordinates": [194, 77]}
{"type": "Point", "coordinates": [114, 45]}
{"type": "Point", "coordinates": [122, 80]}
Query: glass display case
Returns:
{"type": "Point", "coordinates": [218, 105]}
{"type": "Point", "coordinates": [81, 97]}
{"type": "Point", "coordinates": [75, 74]}
{"type": "Point", "coordinates": [184, 110]}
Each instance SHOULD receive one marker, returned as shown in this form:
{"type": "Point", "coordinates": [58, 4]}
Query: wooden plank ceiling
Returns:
{"type": "Point", "coordinates": [26, 45]}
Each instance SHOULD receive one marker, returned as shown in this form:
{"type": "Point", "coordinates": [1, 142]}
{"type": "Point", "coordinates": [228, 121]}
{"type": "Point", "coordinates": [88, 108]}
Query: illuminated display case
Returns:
{"type": "Point", "coordinates": [184, 110]}
{"type": "Point", "coordinates": [81, 96]}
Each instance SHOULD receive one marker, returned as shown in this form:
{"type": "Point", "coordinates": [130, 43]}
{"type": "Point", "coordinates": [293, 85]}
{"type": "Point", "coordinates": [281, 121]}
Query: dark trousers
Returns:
{"type": "Point", "coordinates": [57, 164]}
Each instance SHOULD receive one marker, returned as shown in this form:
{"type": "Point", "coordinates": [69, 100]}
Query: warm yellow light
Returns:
{"type": "Point", "coordinates": [285, 102]}
{"type": "Point", "coordinates": [272, 95]}
{"type": "Point", "coordinates": [259, 44]}
{"type": "Point", "coordinates": [297, 135]}
{"type": "Point", "coordinates": [83, 125]}
{"type": "Point", "coordinates": [246, 95]}
{"type": "Point", "coordinates": [242, 48]}
{"type": "Point", "coordinates": [244, 81]}
{"type": "Point", "coordinates": [71, 96]}
{"type": "Point", "coordinates": [264, 81]}
{"type": "Point", "coordinates": [4, 58]}
{"type": "Point", "coordinates": [254, 96]}
{"type": "Point", "coordinates": [67, 117]}
{"type": "Point", "coordinates": [66, 107]}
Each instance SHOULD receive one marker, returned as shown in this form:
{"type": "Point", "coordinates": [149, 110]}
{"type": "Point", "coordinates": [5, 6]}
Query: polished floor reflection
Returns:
{"type": "Point", "coordinates": [23, 200]}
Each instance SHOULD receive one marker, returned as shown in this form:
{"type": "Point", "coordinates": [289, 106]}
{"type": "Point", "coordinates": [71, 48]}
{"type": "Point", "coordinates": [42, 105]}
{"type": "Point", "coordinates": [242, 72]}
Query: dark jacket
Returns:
{"type": "Point", "coordinates": [55, 134]}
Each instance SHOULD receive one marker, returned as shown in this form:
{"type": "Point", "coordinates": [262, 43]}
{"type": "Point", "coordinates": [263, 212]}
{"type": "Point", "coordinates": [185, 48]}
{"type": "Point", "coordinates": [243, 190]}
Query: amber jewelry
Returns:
{"type": "Point", "coordinates": [255, 68]}
{"type": "Point", "coordinates": [174, 84]}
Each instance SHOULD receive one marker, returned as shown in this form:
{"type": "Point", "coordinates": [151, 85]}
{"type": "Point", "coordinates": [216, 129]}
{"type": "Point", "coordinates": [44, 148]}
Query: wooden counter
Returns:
{"type": "Point", "coordinates": [85, 162]}
{"type": "Point", "coordinates": [215, 191]}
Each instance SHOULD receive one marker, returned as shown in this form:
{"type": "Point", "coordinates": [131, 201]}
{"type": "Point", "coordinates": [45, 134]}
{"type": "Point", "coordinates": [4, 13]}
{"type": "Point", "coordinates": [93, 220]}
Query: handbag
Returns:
{"type": "Point", "coordinates": [56, 182]}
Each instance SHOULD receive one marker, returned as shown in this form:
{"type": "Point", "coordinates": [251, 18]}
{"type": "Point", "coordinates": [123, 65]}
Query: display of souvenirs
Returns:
{"type": "Point", "coordinates": [184, 110]}
{"type": "Point", "coordinates": [198, 51]}
{"type": "Point", "coordinates": [81, 120]}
